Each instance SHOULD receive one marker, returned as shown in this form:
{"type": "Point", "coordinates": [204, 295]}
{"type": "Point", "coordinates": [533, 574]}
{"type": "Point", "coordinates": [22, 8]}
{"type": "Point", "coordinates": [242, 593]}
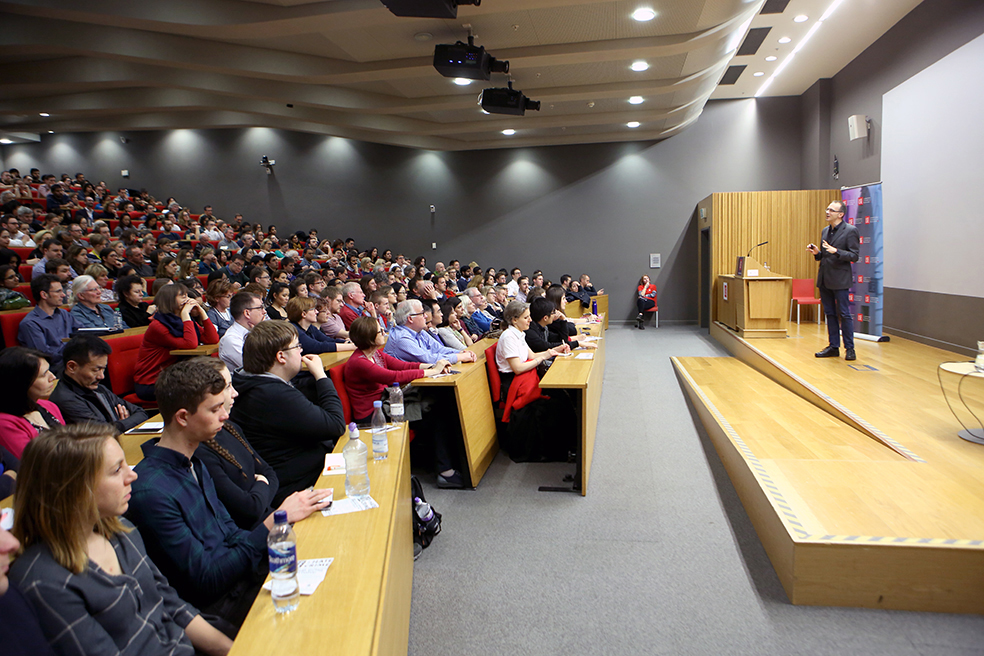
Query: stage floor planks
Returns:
{"type": "Point", "coordinates": [884, 511]}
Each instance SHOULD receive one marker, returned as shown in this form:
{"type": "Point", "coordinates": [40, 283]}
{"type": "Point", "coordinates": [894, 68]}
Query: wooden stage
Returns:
{"type": "Point", "coordinates": [852, 473]}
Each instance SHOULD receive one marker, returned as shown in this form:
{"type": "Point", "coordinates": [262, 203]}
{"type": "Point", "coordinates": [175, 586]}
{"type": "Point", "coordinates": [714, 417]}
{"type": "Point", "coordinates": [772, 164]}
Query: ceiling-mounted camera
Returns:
{"type": "Point", "coordinates": [498, 100]}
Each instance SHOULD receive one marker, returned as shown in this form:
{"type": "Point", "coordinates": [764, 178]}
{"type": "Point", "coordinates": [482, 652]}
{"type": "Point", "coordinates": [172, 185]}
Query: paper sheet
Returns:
{"type": "Point", "coordinates": [584, 356]}
{"type": "Point", "coordinates": [349, 505]}
{"type": "Point", "coordinates": [147, 427]}
{"type": "Point", "coordinates": [310, 574]}
{"type": "Point", "coordinates": [334, 464]}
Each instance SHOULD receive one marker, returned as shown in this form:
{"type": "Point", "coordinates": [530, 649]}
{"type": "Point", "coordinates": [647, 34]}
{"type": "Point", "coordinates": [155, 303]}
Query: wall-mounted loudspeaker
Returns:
{"type": "Point", "coordinates": [857, 127]}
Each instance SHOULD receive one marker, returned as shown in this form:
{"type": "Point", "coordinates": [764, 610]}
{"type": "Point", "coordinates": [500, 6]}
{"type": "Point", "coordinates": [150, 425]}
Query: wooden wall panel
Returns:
{"type": "Point", "coordinates": [788, 220]}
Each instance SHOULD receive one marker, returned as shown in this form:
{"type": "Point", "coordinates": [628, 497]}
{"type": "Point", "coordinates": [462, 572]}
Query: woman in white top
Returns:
{"type": "Point", "coordinates": [512, 355]}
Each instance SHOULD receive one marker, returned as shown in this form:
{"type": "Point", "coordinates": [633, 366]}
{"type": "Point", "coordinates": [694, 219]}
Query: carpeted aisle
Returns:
{"type": "Point", "coordinates": [659, 558]}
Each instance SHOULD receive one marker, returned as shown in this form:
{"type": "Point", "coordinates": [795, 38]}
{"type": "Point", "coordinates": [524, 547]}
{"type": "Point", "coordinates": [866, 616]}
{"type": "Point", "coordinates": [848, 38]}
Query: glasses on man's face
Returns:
{"type": "Point", "coordinates": [258, 307]}
{"type": "Point", "coordinates": [292, 347]}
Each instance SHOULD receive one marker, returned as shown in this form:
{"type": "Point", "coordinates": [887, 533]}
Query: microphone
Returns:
{"type": "Point", "coordinates": [755, 246]}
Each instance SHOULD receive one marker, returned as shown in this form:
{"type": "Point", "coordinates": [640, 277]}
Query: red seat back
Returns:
{"type": "Point", "coordinates": [655, 307]}
{"type": "Point", "coordinates": [25, 289]}
{"type": "Point", "coordinates": [123, 362]}
{"type": "Point", "coordinates": [495, 383]}
{"type": "Point", "coordinates": [25, 271]}
{"type": "Point", "coordinates": [10, 322]}
{"type": "Point", "coordinates": [803, 288]}
{"type": "Point", "coordinates": [23, 252]}
{"type": "Point", "coordinates": [338, 378]}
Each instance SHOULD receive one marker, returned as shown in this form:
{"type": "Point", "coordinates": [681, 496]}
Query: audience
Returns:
{"type": "Point", "coordinates": [277, 301]}
{"type": "Point", "coordinates": [135, 311]}
{"type": "Point", "coordinates": [219, 296]}
{"type": "Point", "coordinates": [247, 311]}
{"type": "Point", "coordinates": [87, 309]}
{"type": "Point", "coordinates": [354, 303]}
{"type": "Point", "coordinates": [47, 325]}
{"type": "Point", "coordinates": [25, 409]}
{"type": "Point", "coordinates": [82, 397]}
{"type": "Point", "coordinates": [84, 569]}
{"type": "Point", "coordinates": [409, 341]}
{"type": "Point", "coordinates": [333, 326]}
{"type": "Point", "coordinates": [174, 326]}
{"type": "Point", "coordinates": [303, 315]}
{"type": "Point", "coordinates": [295, 449]}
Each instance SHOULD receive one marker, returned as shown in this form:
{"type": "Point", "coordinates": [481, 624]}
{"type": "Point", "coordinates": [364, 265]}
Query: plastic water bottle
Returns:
{"type": "Point", "coordinates": [396, 403]}
{"type": "Point", "coordinates": [282, 548]}
{"type": "Point", "coordinates": [424, 510]}
{"type": "Point", "coordinates": [117, 319]}
{"type": "Point", "coordinates": [380, 442]}
{"type": "Point", "coordinates": [356, 455]}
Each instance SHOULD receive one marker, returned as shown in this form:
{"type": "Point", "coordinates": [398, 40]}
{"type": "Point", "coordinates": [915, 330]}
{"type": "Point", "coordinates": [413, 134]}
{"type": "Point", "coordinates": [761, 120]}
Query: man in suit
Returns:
{"type": "Point", "coordinates": [839, 247]}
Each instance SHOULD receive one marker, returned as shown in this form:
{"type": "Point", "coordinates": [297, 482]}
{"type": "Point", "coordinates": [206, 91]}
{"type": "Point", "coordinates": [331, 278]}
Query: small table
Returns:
{"type": "Point", "coordinates": [965, 370]}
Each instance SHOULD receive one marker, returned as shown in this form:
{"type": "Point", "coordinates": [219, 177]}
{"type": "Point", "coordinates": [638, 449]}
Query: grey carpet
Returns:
{"type": "Point", "coordinates": [659, 558]}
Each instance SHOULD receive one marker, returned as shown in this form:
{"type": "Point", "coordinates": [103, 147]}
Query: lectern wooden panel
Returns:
{"type": "Point", "coordinates": [756, 305]}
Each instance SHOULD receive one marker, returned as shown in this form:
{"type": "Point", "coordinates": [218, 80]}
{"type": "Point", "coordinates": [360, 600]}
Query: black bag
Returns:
{"type": "Point", "coordinates": [426, 519]}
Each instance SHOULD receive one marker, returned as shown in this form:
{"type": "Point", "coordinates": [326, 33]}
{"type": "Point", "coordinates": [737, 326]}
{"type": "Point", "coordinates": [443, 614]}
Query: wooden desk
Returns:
{"type": "Point", "coordinates": [754, 307]}
{"type": "Point", "coordinates": [204, 349]}
{"type": "Point", "coordinates": [474, 402]}
{"type": "Point", "coordinates": [363, 605]}
{"type": "Point", "coordinates": [583, 380]}
{"type": "Point", "coordinates": [574, 310]}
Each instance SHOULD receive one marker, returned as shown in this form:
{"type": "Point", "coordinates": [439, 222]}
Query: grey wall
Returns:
{"type": "Point", "coordinates": [599, 209]}
{"type": "Point", "coordinates": [815, 167]}
{"type": "Point", "coordinates": [930, 32]}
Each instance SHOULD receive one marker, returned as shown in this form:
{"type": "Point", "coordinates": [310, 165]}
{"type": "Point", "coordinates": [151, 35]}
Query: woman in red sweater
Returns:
{"type": "Point", "coordinates": [369, 371]}
{"type": "Point", "coordinates": [645, 300]}
{"type": "Point", "coordinates": [173, 327]}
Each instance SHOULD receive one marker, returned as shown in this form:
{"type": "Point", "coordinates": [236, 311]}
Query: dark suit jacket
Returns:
{"type": "Point", "coordinates": [835, 268]}
{"type": "Point", "coordinates": [79, 404]}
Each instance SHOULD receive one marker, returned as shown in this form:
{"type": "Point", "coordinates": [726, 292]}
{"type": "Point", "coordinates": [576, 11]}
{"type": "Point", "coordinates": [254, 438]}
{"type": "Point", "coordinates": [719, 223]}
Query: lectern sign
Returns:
{"type": "Point", "coordinates": [864, 211]}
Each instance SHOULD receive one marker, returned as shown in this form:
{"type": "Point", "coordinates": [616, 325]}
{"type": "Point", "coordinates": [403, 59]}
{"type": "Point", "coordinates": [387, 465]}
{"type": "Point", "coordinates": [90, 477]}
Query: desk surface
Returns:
{"type": "Point", "coordinates": [363, 605]}
{"type": "Point", "coordinates": [204, 349]}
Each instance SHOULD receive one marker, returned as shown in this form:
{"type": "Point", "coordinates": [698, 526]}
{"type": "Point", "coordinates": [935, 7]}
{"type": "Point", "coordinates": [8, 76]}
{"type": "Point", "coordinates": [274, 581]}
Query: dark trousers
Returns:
{"type": "Point", "coordinates": [840, 320]}
{"type": "Point", "coordinates": [644, 304]}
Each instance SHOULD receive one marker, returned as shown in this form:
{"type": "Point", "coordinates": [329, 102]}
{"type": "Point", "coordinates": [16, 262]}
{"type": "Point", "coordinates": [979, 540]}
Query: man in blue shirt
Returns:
{"type": "Point", "coordinates": [409, 342]}
{"type": "Point", "coordinates": [51, 249]}
{"type": "Point", "coordinates": [189, 534]}
{"type": "Point", "coordinates": [47, 325]}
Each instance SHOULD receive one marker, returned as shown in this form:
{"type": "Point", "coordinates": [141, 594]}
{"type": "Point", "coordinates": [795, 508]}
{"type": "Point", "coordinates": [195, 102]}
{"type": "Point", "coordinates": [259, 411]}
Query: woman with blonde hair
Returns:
{"type": "Point", "coordinates": [84, 569]}
{"type": "Point", "coordinates": [101, 275]}
{"type": "Point", "coordinates": [87, 308]}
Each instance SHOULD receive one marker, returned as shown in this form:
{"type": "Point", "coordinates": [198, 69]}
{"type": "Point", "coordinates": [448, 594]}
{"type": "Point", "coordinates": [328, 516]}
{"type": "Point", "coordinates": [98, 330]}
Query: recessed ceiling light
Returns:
{"type": "Point", "coordinates": [758, 74]}
{"type": "Point", "coordinates": [771, 58]}
{"type": "Point", "coordinates": [51, 131]}
{"type": "Point", "coordinates": [423, 36]}
{"type": "Point", "coordinates": [785, 39]}
{"type": "Point", "coordinates": [643, 14]}
{"type": "Point", "coordinates": [801, 19]}
{"type": "Point", "coordinates": [636, 100]}
{"type": "Point", "coordinates": [5, 141]}
{"type": "Point", "coordinates": [509, 132]}
{"type": "Point", "coordinates": [632, 124]}
{"type": "Point", "coordinates": [639, 66]}
{"type": "Point", "coordinates": [44, 114]}
{"type": "Point", "coordinates": [462, 81]}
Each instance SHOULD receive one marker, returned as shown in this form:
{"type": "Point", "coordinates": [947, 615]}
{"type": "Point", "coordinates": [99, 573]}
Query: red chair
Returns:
{"type": "Point", "coordinates": [10, 322]}
{"type": "Point", "coordinates": [121, 365]}
{"type": "Point", "coordinates": [25, 271]}
{"type": "Point", "coordinates": [23, 252]}
{"type": "Point", "coordinates": [495, 382]}
{"type": "Point", "coordinates": [803, 295]}
{"type": "Point", "coordinates": [25, 289]}
{"type": "Point", "coordinates": [338, 378]}
{"type": "Point", "coordinates": [655, 310]}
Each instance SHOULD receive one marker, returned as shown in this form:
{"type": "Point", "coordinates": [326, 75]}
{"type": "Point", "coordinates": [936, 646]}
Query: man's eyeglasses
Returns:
{"type": "Point", "coordinates": [290, 348]}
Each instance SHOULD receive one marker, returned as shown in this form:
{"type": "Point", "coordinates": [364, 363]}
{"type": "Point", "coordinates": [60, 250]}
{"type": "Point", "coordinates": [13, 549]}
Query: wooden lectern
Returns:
{"type": "Point", "coordinates": [753, 302]}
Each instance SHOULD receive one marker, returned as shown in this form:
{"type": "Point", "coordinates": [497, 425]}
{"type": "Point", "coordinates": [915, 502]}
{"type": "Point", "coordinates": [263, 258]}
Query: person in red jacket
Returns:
{"type": "Point", "coordinates": [369, 370]}
{"type": "Point", "coordinates": [179, 323]}
{"type": "Point", "coordinates": [645, 300]}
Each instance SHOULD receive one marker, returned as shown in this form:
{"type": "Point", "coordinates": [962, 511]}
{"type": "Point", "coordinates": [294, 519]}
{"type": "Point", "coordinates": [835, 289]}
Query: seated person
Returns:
{"type": "Point", "coordinates": [45, 326]}
{"type": "Point", "coordinates": [247, 311]}
{"type": "Point", "coordinates": [219, 295]}
{"type": "Point", "coordinates": [296, 448]}
{"type": "Point", "coordinates": [333, 326]}
{"type": "Point", "coordinates": [87, 308]}
{"type": "Point", "coordinates": [369, 371]}
{"type": "Point", "coordinates": [587, 287]}
{"type": "Point", "coordinates": [277, 301]}
{"type": "Point", "coordinates": [82, 397]}
{"type": "Point", "coordinates": [234, 270]}
{"type": "Point", "coordinates": [561, 327]}
{"type": "Point", "coordinates": [538, 336]}
{"type": "Point", "coordinates": [135, 311]}
{"type": "Point", "coordinates": [135, 257]}
{"type": "Point", "coordinates": [450, 330]}
{"type": "Point", "coordinates": [410, 342]}
{"type": "Point", "coordinates": [20, 632]}
{"type": "Point", "coordinates": [209, 560]}
{"type": "Point", "coordinates": [61, 269]}
{"type": "Point", "coordinates": [25, 409]}
{"type": "Point", "coordinates": [354, 304]}
{"type": "Point", "coordinates": [84, 569]}
{"type": "Point", "coordinates": [244, 482]}
{"type": "Point", "coordinates": [303, 314]}
{"type": "Point", "coordinates": [574, 293]}
{"type": "Point", "coordinates": [173, 327]}
{"type": "Point", "coordinates": [479, 315]}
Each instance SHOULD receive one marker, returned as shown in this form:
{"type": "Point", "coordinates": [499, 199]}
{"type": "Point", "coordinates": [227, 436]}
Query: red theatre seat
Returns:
{"type": "Point", "coordinates": [25, 271]}
{"type": "Point", "coordinates": [122, 363]}
{"type": "Point", "coordinates": [10, 322]}
{"type": "Point", "coordinates": [25, 289]}
{"type": "Point", "coordinates": [495, 382]}
{"type": "Point", "coordinates": [22, 252]}
{"type": "Point", "coordinates": [338, 378]}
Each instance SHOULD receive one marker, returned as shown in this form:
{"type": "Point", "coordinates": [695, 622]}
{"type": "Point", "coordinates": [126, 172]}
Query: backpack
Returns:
{"type": "Point", "coordinates": [426, 519]}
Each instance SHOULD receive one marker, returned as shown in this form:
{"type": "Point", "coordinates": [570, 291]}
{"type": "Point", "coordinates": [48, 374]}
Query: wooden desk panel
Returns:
{"type": "Point", "coordinates": [583, 379]}
{"type": "Point", "coordinates": [474, 401]}
{"type": "Point", "coordinates": [574, 310]}
{"type": "Point", "coordinates": [203, 349]}
{"type": "Point", "coordinates": [363, 605]}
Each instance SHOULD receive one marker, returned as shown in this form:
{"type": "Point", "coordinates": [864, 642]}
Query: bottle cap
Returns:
{"type": "Point", "coordinates": [394, 384]}
{"type": "Point", "coordinates": [377, 404]}
{"type": "Point", "coordinates": [353, 428]}
{"type": "Point", "coordinates": [279, 516]}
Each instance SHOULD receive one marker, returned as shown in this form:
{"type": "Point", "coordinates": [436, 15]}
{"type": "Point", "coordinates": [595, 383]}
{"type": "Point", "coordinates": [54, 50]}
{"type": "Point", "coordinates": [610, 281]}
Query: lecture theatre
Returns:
{"type": "Point", "coordinates": [728, 491]}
